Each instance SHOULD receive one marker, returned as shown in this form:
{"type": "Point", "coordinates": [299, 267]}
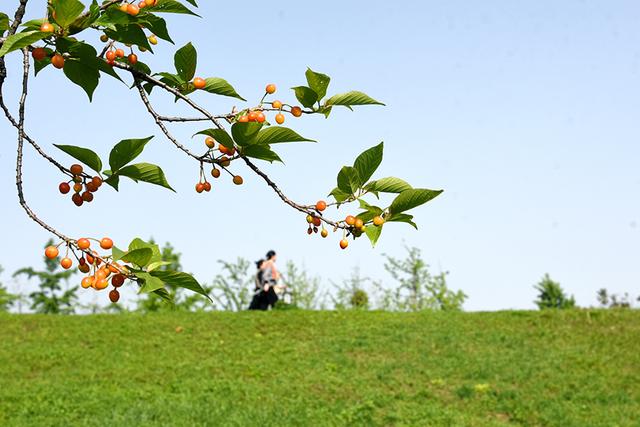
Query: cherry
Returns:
{"type": "Point", "coordinates": [215, 173]}
{"type": "Point", "coordinates": [84, 268]}
{"type": "Point", "coordinates": [253, 116]}
{"type": "Point", "coordinates": [316, 221]}
{"type": "Point", "coordinates": [133, 59]}
{"type": "Point", "coordinates": [378, 221]}
{"type": "Point", "coordinates": [117, 280]}
{"type": "Point", "coordinates": [358, 223]}
{"type": "Point", "coordinates": [296, 111]}
{"type": "Point", "coordinates": [321, 205]}
{"type": "Point", "coordinates": [104, 38]}
{"type": "Point", "coordinates": [39, 54]}
{"type": "Point", "coordinates": [309, 230]}
{"type": "Point", "coordinates": [279, 118]}
{"type": "Point", "coordinates": [57, 61]}
{"type": "Point", "coordinates": [87, 196]}
{"type": "Point", "coordinates": [150, 2]}
{"type": "Point", "coordinates": [102, 273]}
{"type": "Point", "coordinates": [97, 181]}
{"type": "Point", "coordinates": [51, 252]}
{"type": "Point", "coordinates": [276, 104]}
{"type": "Point", "coordinates": [114, 295]}
{"type": "Point", "coordinates": [77, 187]}
{"type": "Point", "coordinates": [199, 83]}
{"type": "Point", "coordinates": [123, 7]}
{"type": "Point", "coordinates": [344, 243]}
{"type": "Point", "coordinates": [243, 119]}
{"type": "Point", "coordinates": [142, 4]}
{"type": "Point", "coordinates": [260, 117]}
{"type": "Point", "coordinates": [77, 199]}
{"type": "Point", "coordinates": [228, 151]}
{"type": "Point", "coordinates": [114, 268]}
{"type": "Point", "coordinates": [309, 219]}
{"type": "Point", "coordinates": [64, 187]}
{"type": "Point", "coordinates": [224, 161]}
{"type": "Point", "coordinates": [271, 88]}
{"type": "Point", "coordinates": [76, 169]}
{"type": "Point", "coordinates": [66, 263]}
{"type": "Point", "coordinates": [100, 284]}
{"type": "Point", "coordinates": [207, 186]}
{"type": "Point", "coordinates": [132, 9]}
{"type": "Point", "coordinates": [199, 187]}
{"type": "Point", "coordinates": [210, 142]}
{"type": "Point", "coordinates": [237, 180]}
{"type": "Point", "coordinates": [350, 220]}
{"type": "Point", "coordinates": [46, 27]}
{"type": "Point", "coordinates": [77, 179]}
{"type": "Point", "coordinates": [83, 243]}
{"type": "Point", "coordinates": [87, 282]}
{"type": "Point", "coordinates": [111, 55]}
{"type": "Point", "coordinates": [119, 53]}
{"type": "Point", "coordinates": [324, 232]}
{"type": "Point", "coordinates": [106, 243]}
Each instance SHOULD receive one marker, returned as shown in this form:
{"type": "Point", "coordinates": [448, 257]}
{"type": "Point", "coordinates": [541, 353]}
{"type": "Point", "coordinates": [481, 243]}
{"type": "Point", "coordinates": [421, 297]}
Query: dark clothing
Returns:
{"type": "Point", "coordinates": [262, 299]}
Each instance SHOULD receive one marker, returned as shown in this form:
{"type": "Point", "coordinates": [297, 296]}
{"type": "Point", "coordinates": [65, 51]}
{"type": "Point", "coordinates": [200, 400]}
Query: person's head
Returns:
{"type": "Point", "coordinates": [259, 264]}
{"type": "Point", "coordinates": [271, 255]}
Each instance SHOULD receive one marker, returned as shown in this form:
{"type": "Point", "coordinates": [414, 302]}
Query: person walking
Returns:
{"type": "Point", "coordinates": [257, 300]}
{"type": "Point", "coordinates": [270, 277]}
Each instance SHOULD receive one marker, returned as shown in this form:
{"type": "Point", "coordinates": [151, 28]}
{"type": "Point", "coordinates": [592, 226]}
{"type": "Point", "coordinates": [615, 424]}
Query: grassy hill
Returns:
{"type": "Point", "coordinates": [574, 368]}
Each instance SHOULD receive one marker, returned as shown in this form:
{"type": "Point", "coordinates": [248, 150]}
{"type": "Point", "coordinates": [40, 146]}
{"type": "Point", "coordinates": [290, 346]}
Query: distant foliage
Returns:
{"type": "Point", "coordinates": [551, 295]}
{"type": "Point", "coordinates": [6, 299]}
{"type": "Point", "coordinates": [51, 298]}
{"type": "Point", "coordinates": [302, 289]}
{"type": "Point", "coordinates": [417, 288]}
{"type": "Point", "coordinates": [351, 294]}
{"type": "Point", "coordinates": [232, 289]}
{"type": "Point", "coordinates": [614, 300]}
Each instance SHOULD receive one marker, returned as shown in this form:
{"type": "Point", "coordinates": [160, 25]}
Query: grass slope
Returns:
{"type": "Point", "coordinates": [578, 368]}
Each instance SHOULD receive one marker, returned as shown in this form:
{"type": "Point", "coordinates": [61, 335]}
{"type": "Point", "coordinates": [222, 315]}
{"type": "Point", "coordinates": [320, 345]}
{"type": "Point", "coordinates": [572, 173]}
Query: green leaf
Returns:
{"type": "Point", "coordinates": [41, 65]}
{"type": "Point", "coordinates": [125, 151]}
{"type": "Point", "coordinates": [4, 23]}
{"type": "Point", "coordinates": [401, 218]}
{"type": "Point", "coordinates": [164, 294]}
{"type": "Point", "coordinates": [348, 180]}
{"type": "Point", "coordinates": [66, 11]}
{"type": "Point", "coordinates": [373, 233]}
{"type": "Point", "coordinates": [20, 40]}
{"type": "Point", "coordinates": [138, 243]}
{"type": "Point", "coordinates": [305, 95]}
{"type": "Point", "coordinates": [139, 257]}
{"type": "Point", "coordinates": [262, 152]}
{"type": "Point", "coordinates": [318, 82]}
{"type": "Point", "coordinates": [186, 60]}
{"type": "Point", "coordinates": [117, 253]}
{"type": "Point", "coordinates": [157, 26]}
{"type": "Point", "coordinates": [245, 132]}
{"type": "Point", "coordinates": [85, 76]}
{"type": "Point", "coordinates": [84, 21]}
{"type": "Point", "coordinates": [146, 172]}
{"type": "Point", "coordinates": [149, 283]}
{"type": "Point", "coordinates": [169, 6]}
{"type": "Point", "coordinates": [84, 155]}
{"type": "Point", "coordinates": [154, 265]}
{"type": "Point", "coordinates": [180, 280]}
{"type": "Point", "coordinates": [219, 135]}
{"type": "Point", "coordinates": [113, 181]}
{"type": "Point", "coordinates": [412, 198]}
{"type": "Point", "coordinates": [339, 195]}
{"type": "Point", "coordinates": [221, 87]}
{"type": "Point", "coordinates": [192, 2]}
{"type": "Point", "coordinates": [276, 135]}
{"type": "Point", "coordinates": [367, 162]}
{"type": "Point", "coordinates": [370, 208]}
{"type": "Point", "coordinates": [352, 98]}
{"type": "Point", "coordinates": [129, 34]}
{"type": "Point", "coordinates": [388, 185]}
{"type": "Point", "coordinates": [108, 69]}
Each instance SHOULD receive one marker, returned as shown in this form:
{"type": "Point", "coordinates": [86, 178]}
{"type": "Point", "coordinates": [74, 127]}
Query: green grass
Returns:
{"type": "Point", "coordinates": [572, 368]}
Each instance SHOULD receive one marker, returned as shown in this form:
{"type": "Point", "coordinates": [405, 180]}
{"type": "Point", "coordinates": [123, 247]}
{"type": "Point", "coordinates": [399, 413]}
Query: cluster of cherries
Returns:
{"type": "Point", "coordinates": [223, 161]}
{"type": "Point", "coordinates": [80, 183]}
{"type": "Point", "coordinates": [356, 225]}
{"type": "Point", "coordinates": [133, 9]}
{"type": "Point", "coordinates": [91, 262]}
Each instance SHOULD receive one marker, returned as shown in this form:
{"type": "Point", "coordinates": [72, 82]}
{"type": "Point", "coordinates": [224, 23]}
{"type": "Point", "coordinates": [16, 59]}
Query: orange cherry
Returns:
{"type": "Point", "coordinates": [111, 55]}
{"type": "Point", "coordinates": [199, 83]}
{"type": "Point", "coordinates": [46, 27]}
{"type": "Point", "coordinates": [350, 220]}
{"type": "Point", "coordinates": [237, 180]}
{"type": "Point", "coordinates": [210, 142]}
{"type": "Point", "coordinates": [344, 243]}
{"type": "Point", "coordinates": [76, 169]}
{"type": "Point", "coordinates": [321, 205]}
{"type": "Point", "coordinates": [207, 186]}
{"type": "Point", "coordinates": [358, 223]}
{"type": "Point", "coordinates": [324, 232]}
{"type": "Point", "coordinates": [378, 221]}
{"type": "Point", "coordinates": [106, 243]}
{"type": "Point", "coordinates": [132, 9]}
{"type": "Point", "coordinates": [199, 187]}
{"type": "Point", "coordinates": [64, 187]}
{"type": "Point", "coordinates": [83, 243]}
{"type": "Point", "coordinates": [279, 118]}
{"type": "Point", "coordinates": [133, 59]}
{"type": "Point", "coordinates": [271, 88]}
{"type": "Point", "coordinates": [51, 252]}
{"type": "Point", "coordinates": [296, 111]}
{"type": "Point", "coordinates": [100, 284]}
{"type": "Point", "coordinates": [260, 118]}
{"type": "Point", "coordinates": [39, 54]}
{"type": "Point", "coordinates": [87, 282]}
{"type": "Point", "coordinates": [215, 173]}
{"type": "Point", "coordinates": [57, 61]}
{"type": "Point", "coordinates": [119, 53]}
{"type": "Point", "coordinates": [253, 116]}
{"type": "Point", "coordinates": [276, 104]}
{"type": "Point", "coordinates": [66, 263]}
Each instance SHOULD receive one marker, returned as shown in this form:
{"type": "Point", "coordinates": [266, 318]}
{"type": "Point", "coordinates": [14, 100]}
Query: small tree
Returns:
{"type": "Point", "coordinates": [50, 298]}
{"type": "Point", "coordinates": [551, 295]}
{"type": "Point", "coordinates": [418, 289]}
{"type": "Point", "coordinates": [302, 288]}
{"type": "Point", "coordinates": [6, 299]}
{"type": "Point", "coordinates": [351, 294]}
{"type": "Point", "coordinates": [233, 288]}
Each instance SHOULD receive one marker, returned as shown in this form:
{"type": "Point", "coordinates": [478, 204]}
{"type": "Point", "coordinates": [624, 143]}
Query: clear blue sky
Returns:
{"type": "Point", "coordinates": [526, 113]}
